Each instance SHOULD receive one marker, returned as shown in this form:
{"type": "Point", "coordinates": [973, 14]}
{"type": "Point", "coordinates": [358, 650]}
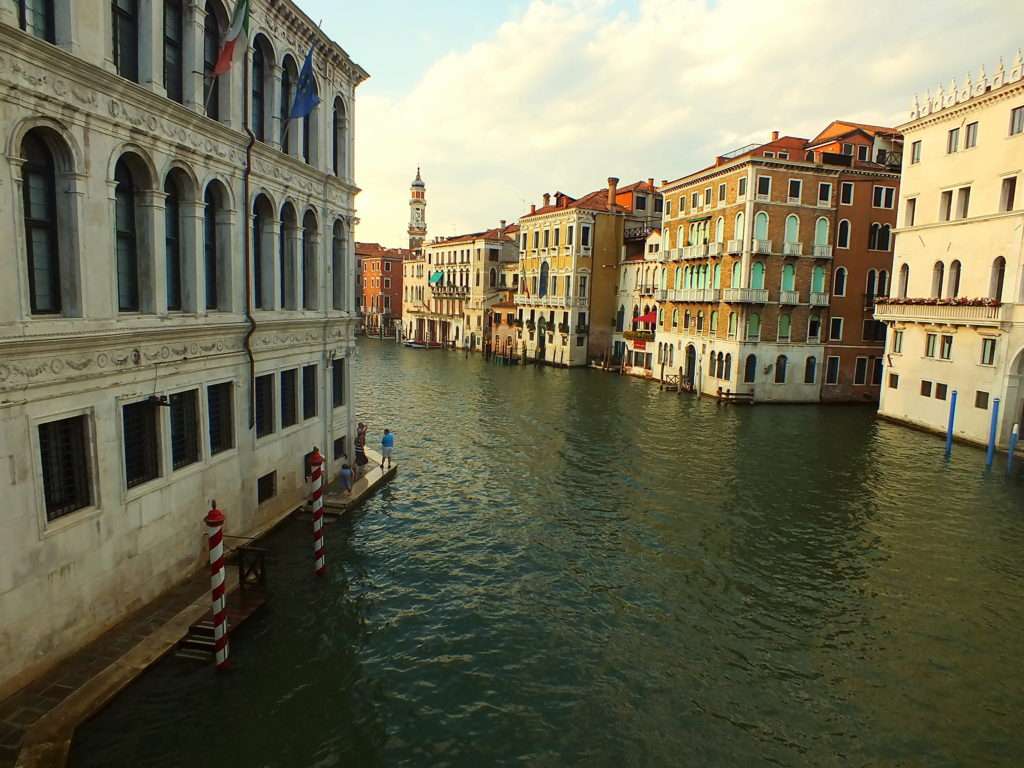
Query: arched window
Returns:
{"type": "Point", "coordinates": [717, 276]}
{"type": "Point", "coordinates": [821, 231]}
{"type": "Point", "coordinates": [172, 241]}
{"type": "Point", "coordinates": [661, 316]}
{"type": "Point", "coordinates": [780, 369]}
{"type": "Point", "coordinates": [39, 196]}
{"type": "Point", "coordinates": [286, 257]}
{"type": "Point", "coordinates": [753, 327]}
{"type": "Point", "coordinates": [700, 321]}
{"type": "Point", "coordinates": [750, 369]}
{"type": "Point", "coordinates": [680, 237]}
{"type": "Point", "coordinates": [810, 370]}
{"type": "Point", "coordinates": [737, 268]}
{"type": "Point", "coordinates": [728, 367]}
{"type": "Point", "coordinates": [262, 253]}
{"type": "Point", "coordinates": [757, 275]}
{"type": "Point", "coordinates": [544, 270]}
{"type": "Point", "coordinates": [636, 314]}
{"type": "Point", "coordinates": [125, 33]}
{"type": "Point", "coordinates": [995, 283]}
{"type": "Point", "coordinates": [732, 325]}
{"type": "Point", "coordinates": [739, 228]}
{"type": "Point", "coordinates": [720, 365]}
{"type": "Point", "coordinates": [720, 229]}
{"type": "Point", "coordinates": [883, 283]}
{"type": "Point", "coordinates": [310, 283]}
{"type": "Point", "coordinates": [686, 277]}
{"type": "Point", "coordinates": [340, 137]}
{"type": "Point", "coordinates": [36, 17]}
{"type": "Point", "coordinates": [662, 278]}
{"type": "Point", "coordinates": [713, 325]}
{"type": "Point", "coordinates": [620, 318]}
{"type": "Point", "coordinates": [262, 83]}
{"type": "Point", "coordinates": [215, 249]}
{"type": "Point", "coordinates": [818, 280]}
{"type": "Point", "coordinates": [792, 228]}
{"type": "Point", "coordinates": [289, 74]}
{"type": "Point", "coordinates": [788, 277]}
{"type": "Point", "coordinates": [871, 283]}
{"type": "Point", "coordinates": [953, 288]}
{"type": "Point", "coordinates": [126, 238]}
{"type": "Point", "coordinates": [174, 57]}
{"type": "Point", "coordinates": [873, 237]}
{"type": "Point", "coordinates": [761, 226]}
{"type": "Point", "coordinates": [938, 274]}
{"type": "Point", "coordinates": [904, 280]}
{"type": "Point", "coordinates": [675, 318]}
{"type": "Point", "coordinates": [494, 278]}
{"type": "Point", "coordinates": [843, 236]}
{"type": "Point", "coordinates": [814, 327]}
{"type": "Point", "coordinates": [211, 47]}
{"type": "Point", "coordinates": [839, 282]}
{"type": "Point", "coordinates": [884, 240]}
{"type": "Point", "coordinates": [309, 133]}
{"type": "Point", "coordinates": [679, 278]}
{"type": "Point", "coordinates": [686, 319]}
{"type": "Point", "coordinates": [785, 327]}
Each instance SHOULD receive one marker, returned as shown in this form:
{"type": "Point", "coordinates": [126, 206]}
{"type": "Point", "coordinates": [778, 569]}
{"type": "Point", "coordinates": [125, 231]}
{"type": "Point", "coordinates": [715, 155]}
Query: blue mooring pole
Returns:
{"type": "Point", "coordinates": [990, 454]}
{"type": "Point", "coordinates": [1014, 437]}
{"type": "Point", "coordinates": [949, 428]}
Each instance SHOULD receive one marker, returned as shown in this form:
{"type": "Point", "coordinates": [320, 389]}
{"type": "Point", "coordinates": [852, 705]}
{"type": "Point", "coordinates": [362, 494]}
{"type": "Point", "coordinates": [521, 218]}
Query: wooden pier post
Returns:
{"type": "Point", "coordinates": [316, 500]}
{"type": "Point", "coordinates": [215, 538]}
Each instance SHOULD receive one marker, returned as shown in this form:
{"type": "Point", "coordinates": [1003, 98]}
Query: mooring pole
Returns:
{"type": "Point", "coordinates": [1014, 437]}
{"type": "Point", "coordinates": [991, 452]}
{"type": "Point", "coordinates": [949, 427]}
{"type": "Point", "coordinates": [215, 538]}
{"type": "Point", "coordinates": [316, 501]}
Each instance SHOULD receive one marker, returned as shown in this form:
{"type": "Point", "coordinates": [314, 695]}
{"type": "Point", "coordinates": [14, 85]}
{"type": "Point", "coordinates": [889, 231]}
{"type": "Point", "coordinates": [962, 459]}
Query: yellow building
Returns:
{"type": "Point", "coordinates": [569, 253]}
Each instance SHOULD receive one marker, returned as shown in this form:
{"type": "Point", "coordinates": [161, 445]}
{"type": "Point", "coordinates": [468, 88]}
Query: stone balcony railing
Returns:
{"type": "Point", "coordinates": [698, 251]}
{"type": "Point", "coordinates": [638, 335]}
{"type": "Point", "coordinates": [954, 314]}
{"type": "Point", "coordinates": [823, 251]}
{"type": "Point", "coordinates": [746, 295]}
{"type": "Point", "coordinates": [819, 299]}
{"type": "Point", "coordinates": [697, 294]}
{"type": "Point", "coordinates": [661, 295]}
{"type": "Point", "coordinates": [789, 297]}
{"type": "Point", "coordinates": [734, 246]}
{"type": "Point", "coordinates": [792, 249]}
{"type": "Point", "coordinates": [761, 246]}
{"type": "Point", "coordinates": [715, 249]}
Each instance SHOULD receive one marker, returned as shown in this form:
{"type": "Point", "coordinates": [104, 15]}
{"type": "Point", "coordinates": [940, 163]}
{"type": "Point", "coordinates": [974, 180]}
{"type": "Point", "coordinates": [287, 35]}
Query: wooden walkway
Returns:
{"type": "Point", "coordinates": [338, 503]}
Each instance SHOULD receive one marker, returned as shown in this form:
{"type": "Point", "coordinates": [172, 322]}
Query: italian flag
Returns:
{"type": "Point", "coordinates": [239, 30]}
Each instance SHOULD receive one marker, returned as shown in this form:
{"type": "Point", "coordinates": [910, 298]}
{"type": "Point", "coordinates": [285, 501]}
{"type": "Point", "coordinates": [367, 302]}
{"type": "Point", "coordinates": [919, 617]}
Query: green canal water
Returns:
{"type": "Point", "coordinates": [573, 568]}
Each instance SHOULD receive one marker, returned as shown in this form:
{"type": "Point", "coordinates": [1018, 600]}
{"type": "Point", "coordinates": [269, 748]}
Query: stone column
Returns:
{"type": "Point", "coordinates": [192, 51]}
{"type": "Point", "coordinates": [272, 98]}
{"type": "Point", "coordinates": [149, 227]}
{"type": "Point", "coordinates": [151, 39]}
{"type": "Point", "coordinates": [229, 270]}
{"type": "Point", "coordinates": [193, 286]}
{"type": "Point", "coordinates": [293, 253]}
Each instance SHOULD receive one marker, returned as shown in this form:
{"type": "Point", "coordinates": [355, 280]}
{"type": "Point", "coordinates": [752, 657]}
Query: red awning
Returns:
{"type": "Point", "coordinates": [650, 317]}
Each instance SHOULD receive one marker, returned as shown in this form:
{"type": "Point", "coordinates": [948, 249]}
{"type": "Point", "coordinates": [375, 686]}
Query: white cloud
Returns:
{"type": "Point", "coordinates": [570, 92]}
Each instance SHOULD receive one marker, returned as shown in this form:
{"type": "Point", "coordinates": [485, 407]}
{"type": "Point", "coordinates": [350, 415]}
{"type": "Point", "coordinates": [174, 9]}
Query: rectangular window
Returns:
{"type": "Point", "coordinates": [926, 388]}
{"type": "Point", "coordinates": [264, 405]}
{"type": "Point", "coordinates": [387, 282]}
{"type": "Point", "coordinates": [583, 287]}
{"type": "Point", "coordinates": [492, 253]}
{"type": "Point", "coordinates": [338, 382]}
{"type": "Point", "coordinates": [940, 391]}
{"type": "Point", "coordinates": [1008, 193]}
{"type": "Point", "coordinates": [707, 196]}
{"type": "Point", "coordinates": [309, 392]}
{"type": "Point", "coordinates": [971, 135]}
{"type": "Point", "coordinates": [876, 371]}
{"type": "Point", "coordinates": [220, 408]}
{"type": "Point", "coordinates": [173, 58]}
{"type": "Point", "coordinates": [536, 239]}
{"type": "Point", "coordinates": [289, 398]}
{"type": "Point", "coordinates": [835, 329]}
{"type": "Point", "coordinates": [981, 400]}
{"type": "Point", "coordinates": [963, 202]}
{"type": "Point", "coordinates": [883, 197]}
{"type": "Point", "coordinates": [862, 152]}
{"type": "Point", "coordinates": [184, 428]}
{"type": "Point", "coordinates": [668, 207]}
{"type": "Point", "coordinates": [832, 370]}
{"type": "Point", "coordinates": [824, 193]}
{"type": "Point", "coordinates": [568, 235]}
{"type": "Point", "coordinates": [847, 149]}
{"type": "Point", "coordinates": [873, 330]}
{"type": "Point", "coordinates": [783, 155]}
{"type": "Point", "coordinates": [846, 193]}
{"type": "Point", "coordinates": [947, 347]}
{"type": "Point", "coordinates": [721, 193]}
{"type": "Point", "coordinates": [764, 187]}
{"type": "Point", "coordinates": [769, 154]}
{"type": "Point", "coordinates": [795, 186]}
{"type": "Point", "coordinates": [988, 351]}
{"type": "Point", "coordinates": [897, 342]}
{"type": "Point", "coordinates": [894, 381]}
{"type": "Point", "coordinates": [641, 203]}
{"type": "Point", "coordinates": [695, 200]}
{"type": "Point", "coordinates": [741, 187]}
{"type": "Point", "coordinates": [915, 153]}
{"type": "Point", "coordinates": [860, 371]}
{"type": "Point", "coordinates": [339, 447]}
{"type": "Point", "coordinates": [266, 487]}
{"type": "Point", "coordinates": [911, 212]}
{"type": "Point", "coordinates": [585, 236]}
{"type": "Point", "coordinates": [387, 266]}
{"type": "Point", "coordinates": [141, 442]}
{"type": "Point", "coordinates": [125, 29]}
{"type": "Point", "coordinates": [547, 237]}
{"type": "Point", "coordinates": [1017, 121]}
{"type": "Point", "coordinates": [953, 141]}
{"type": "Point", "coordinates": [929, 345]}
{"type": "Point", "coordinates": [65, 462]}
{"type": "Point", "coordinates": [946, 205]}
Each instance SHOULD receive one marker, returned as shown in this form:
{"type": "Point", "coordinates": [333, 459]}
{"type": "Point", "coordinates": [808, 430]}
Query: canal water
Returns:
{"type": "Point", "coordinates": [573, 568]}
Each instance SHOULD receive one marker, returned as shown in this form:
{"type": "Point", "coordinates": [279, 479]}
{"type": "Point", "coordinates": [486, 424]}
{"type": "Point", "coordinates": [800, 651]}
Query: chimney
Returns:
{"type": "Point", "coordinates": [613, 184]}
{"type": "Point", "coordinates": [500, 231]}
{"type": "Point", "coordinates": [650, 182]}
{"type": "Point", "coordinates": [547, 199]}
{"type": "Point", "coordinates": [533, 208]}
{"type": "Point", "coordinates": [775, 135]}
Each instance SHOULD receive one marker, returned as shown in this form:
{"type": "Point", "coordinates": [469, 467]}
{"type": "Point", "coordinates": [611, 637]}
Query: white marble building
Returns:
{"type": "Point", "coordinates": [173, 328]}
{"type": "Point", "coordinates": [956, 320]}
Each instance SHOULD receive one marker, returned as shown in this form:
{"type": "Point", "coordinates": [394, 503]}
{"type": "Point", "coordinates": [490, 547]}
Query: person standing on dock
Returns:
{"type": "Point", "coordinates": [361, 459]}
{"type": "Point", "coordinates": [387, 447]}
{"type": "Point", "coordinates": [346, 478]}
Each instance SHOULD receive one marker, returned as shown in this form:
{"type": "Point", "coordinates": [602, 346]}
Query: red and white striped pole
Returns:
{"type": "Point", "coordinates": [215, 537]}
{"type": "Point", "coordinates": [316, 501]}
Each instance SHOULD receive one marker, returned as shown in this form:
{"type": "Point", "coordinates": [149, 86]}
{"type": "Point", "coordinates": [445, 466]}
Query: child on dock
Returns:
{"type": "Point", "coordinates": [387, 446]}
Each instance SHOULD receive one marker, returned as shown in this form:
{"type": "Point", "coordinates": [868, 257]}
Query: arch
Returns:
{"type": "Point", "coordinates": [180, 188]}
{"type": "Point", "coordinates": [839, 282]}
{"type": "Point", "coordinates": [262, 83]}
{"type": "Point", "coordinates": [216, 245]}
{"type": "Point", "coordinates": [41, 219]}
{"type": "Point", "coordinates": [67, 155]}
{"type": "Point", "coordinates": [788, 277]}
{"type": "Point", "coordinates": [662, 278]}
{"type": "Point", "coordinates": [873, 237]}
{"type": "Point", "coordinates": [785, 327]}
{"type": "Point", "coordinates": [750, 369]}
{"type": "Point", "coordinates": [215, 20]}
{"type": "Point", "coordinates": [997, 278]}
{"type": "Point", "coordinates": [761, 226]}
{"type": "Point", "coordinates": [543, 286]}
{"type": "Point", "coordinates": [843, 234]}
{"type": "Point", "coordinates": [716, 277]}
{"type": "Point", "coordinates": [753, 326]}
{"type": "Point", "coordinates": [138, 161]}
{"type": "Point", "coordinates": [818, 279]}
{"type": "Point", "coordinates": [792, 228]}
{"type": "Point", "coordinates": [339, 137]}
{"type": "Point", "coordinates": [904, 281]}
{"type": "Point", "coordinates": [680, 237]}
{"type": "Point", "coordinates": [883, 283]}
{"type": "Point", "coordinates": [263, 251]}
{"type": "Point", "coordinates": [289, 77]}
{"type": "Point", "coordinates": [620, 319]}
{"type": "Point", "coordinates": [720, 229]}
{"type": "Point", "coordinates": [821, 231]}
{"type": "Point", "coordinates": [636, 314]}
{"type": "Point", "coordinates": [732, 324]}
{"type": "Point", "coordinates": [700, 320]}
{"type": "Point", "coordinates": [884, 237]}
{"type": "Point", "coordinates": [713, 324]}
{"type": "Point", "coordinates": [310, 283]}
{"type": "Point", "coordinates": [691, 363]}
{"type": "Point", "coordinates": [938, 275]}
{"type": "Point", "coordinates": [126, 230]}
{"type": "Point", "coordinates": [728, 367]}
{"type": "Point", "coordinates": [737, 269]}
{"type": "Point", "coordinates": [739, 228]}
{"type": "Point", "coordinates": [871, 282]}
{"type": "Point", "coordinates": [686, 318]}
{"type": "Point", "coordinates": [757, 274]}
{"type": "Point", "coordinates": [675, 317]}
{"type": "Point", "coordinates": [810, 370]}
{"type": "Point", "coordinates": [289, 223]}
{"type": "Point", "coordinates": [679, 278]}
{"type": "Point", "coordinates": [780, 369]}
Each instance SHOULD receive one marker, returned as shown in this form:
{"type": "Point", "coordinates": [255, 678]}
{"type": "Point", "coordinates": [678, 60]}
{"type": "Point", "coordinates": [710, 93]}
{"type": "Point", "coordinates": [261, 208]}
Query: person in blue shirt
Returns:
{"type": "Point", "coordinates": [387, 447]}
{"type": "Point", "coordinates": [346, 478]}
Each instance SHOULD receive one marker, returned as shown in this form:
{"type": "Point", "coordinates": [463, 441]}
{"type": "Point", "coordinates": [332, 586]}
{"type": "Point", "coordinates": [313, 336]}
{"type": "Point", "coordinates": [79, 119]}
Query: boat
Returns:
{"type": "Point", "coordinates": [422, 344]}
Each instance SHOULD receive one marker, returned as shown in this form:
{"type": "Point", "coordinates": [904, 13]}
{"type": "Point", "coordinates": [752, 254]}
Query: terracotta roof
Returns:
{"type": "Point", "coordinates": [497, 233]}
{"type": "Point", "coordinates": [594, 201]}
{"type": "Point", "coordinates": [375, 250]}
{"type": "Point", "coordinates": [839, 128]}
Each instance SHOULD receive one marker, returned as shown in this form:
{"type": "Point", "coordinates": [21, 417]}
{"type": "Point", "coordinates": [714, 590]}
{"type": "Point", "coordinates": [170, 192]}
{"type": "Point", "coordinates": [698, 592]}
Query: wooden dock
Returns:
{"type": "Point", "coordinates": [338, 503]}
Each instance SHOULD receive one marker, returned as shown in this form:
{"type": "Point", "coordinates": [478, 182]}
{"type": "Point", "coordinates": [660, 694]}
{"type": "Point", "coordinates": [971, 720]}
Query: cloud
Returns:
{"type": "Point", "coordinates": [566, 93]}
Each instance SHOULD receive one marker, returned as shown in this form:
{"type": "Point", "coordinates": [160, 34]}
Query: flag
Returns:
{"type": "Point", "coordinates": [239, 30]}
{"type": "Point", "coordinates": [305, 91]}
{"type": "Point", "coordinates": [650, 317]}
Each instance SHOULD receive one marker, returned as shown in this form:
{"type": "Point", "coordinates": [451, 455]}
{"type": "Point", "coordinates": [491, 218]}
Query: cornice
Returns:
{"type": "Point", "coordinates": [1011, 90]}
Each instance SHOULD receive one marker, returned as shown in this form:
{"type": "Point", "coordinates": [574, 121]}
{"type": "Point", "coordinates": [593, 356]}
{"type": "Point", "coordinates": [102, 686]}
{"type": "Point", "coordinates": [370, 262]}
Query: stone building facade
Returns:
{"type": "Point", "coordinates": [380, 273]}
{"type": "Point", "coordinates": [177, 316]}
{"type": "Point", "coordinates": [956, 315]}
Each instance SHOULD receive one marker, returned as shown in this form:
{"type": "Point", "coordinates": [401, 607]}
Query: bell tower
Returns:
{"type": "Point", "coordinates": [417, 213]}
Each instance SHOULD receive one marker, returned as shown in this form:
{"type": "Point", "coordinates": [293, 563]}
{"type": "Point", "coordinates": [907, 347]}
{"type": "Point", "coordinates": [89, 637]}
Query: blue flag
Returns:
{"type": "Point", "coordinates": [305, 92]}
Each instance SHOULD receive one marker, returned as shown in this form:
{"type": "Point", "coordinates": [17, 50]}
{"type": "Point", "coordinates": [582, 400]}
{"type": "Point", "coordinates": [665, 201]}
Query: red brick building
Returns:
{"type": "Point", "coordinates": [379, 286]}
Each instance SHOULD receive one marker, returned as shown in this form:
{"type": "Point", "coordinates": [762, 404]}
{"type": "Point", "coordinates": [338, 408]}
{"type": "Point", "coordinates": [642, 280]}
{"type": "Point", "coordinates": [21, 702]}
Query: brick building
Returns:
{"type": "Point", "coordinates": [380, 286]}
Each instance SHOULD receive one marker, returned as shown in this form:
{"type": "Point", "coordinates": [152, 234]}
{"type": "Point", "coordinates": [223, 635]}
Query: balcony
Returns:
{"type": "Point", "coordinates": [582, 329]}
{"type": "Point", "coordinates": [819, 299]}
{"type": "Point", "coordinates": [698, 251]}
{"type": "Point", "coordinates": [647, 290]}
{"type": "Point", "coordinates": [745, 295]}
{"type": "Point", "coordinates": [563, 328]}
{"type": "Point", "coordinates": [665, 256]}
{"type": "Point", "coordinates": [675, 254]}
{"type": "Point", "coordinates": [761, 246]}
{"type": "Point", "coordinates": [951, 314]}
{"type": "Point", "coordinates": [789, 297]}
{"type": "Point", "coordinates": [792, 249]}
{"type": "Point", "coordinates": [638, 335]}
{"type": "Point", "coordinates": [734, 246]}
{"type": "Point", "coordinates": [823, 251]}
{"type": "Point", "coordinates": [661, 295]}
{"type": "Point", "coordinates": [715, 249]}
{"type": "Point", "coordinates": [698, 294]}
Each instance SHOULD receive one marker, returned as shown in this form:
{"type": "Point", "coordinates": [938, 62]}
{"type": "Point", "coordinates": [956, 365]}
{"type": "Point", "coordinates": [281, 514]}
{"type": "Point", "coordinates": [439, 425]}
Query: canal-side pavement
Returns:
{"type": "Point", "coordinates": [38, 722]}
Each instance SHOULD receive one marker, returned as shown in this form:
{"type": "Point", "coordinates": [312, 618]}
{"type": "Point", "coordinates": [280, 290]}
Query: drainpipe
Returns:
{"type": "Point", "coordinates": [246, 237]}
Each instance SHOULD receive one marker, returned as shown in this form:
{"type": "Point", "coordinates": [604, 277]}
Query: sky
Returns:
{"type": "Point", "coordinates": [500, 101]}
